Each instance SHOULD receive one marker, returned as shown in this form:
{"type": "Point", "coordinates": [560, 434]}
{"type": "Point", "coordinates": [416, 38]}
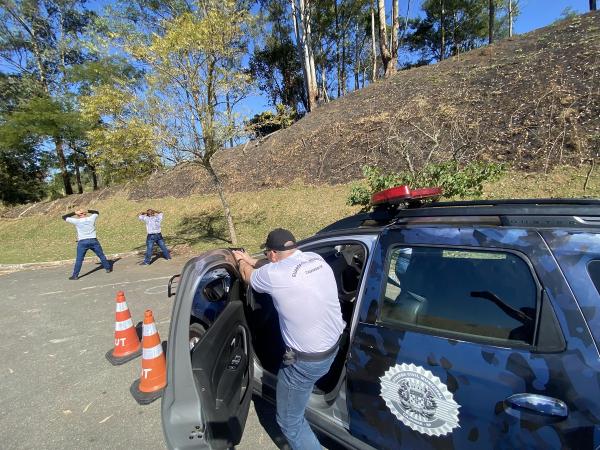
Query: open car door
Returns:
{"type": "Point", "coordinates": [206, 401]}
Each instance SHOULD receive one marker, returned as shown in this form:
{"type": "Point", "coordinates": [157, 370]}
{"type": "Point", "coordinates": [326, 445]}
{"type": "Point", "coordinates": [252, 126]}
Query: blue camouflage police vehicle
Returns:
{"type": "Point", "coordinates": [470, 325]}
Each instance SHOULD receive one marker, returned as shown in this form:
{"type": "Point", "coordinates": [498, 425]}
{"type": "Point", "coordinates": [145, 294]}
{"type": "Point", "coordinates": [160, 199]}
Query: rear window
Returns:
{"type": "Point", "coordinates": [484, 294]}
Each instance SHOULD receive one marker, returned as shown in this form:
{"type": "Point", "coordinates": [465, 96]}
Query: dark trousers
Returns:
{"type": "Point", "coordinates": [151, 239]}
{"type": "Point", "coordinates": [82, 247]}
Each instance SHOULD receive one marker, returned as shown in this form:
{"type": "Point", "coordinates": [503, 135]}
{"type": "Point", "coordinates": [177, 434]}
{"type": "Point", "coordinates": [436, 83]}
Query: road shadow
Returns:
{"type": "Point", "coordinates": [99, 266]}
{"type": "Point", "coordinates": [266, 414]}
{"type": "Point", "coordinates": [267, 417]}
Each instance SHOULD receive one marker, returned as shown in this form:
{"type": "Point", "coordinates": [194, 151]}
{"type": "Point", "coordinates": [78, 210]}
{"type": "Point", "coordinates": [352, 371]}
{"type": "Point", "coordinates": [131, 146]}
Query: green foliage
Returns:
{"type": "Point", "coordinates": [268, 122]}
{"type": "Point", "coordinates": [456, 181]}
{"type": "Point", "coordinates": [22, 166]}
{"type": "Point", "coordinates": [463, 23]}
{"type": "Point", "coordinates": [278, 73]}
{"type": "Point", "coordinates": [567, 13]}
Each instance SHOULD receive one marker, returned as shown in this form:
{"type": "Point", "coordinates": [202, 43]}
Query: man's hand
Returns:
{"type": "Point", "coordinates": [245, 264]}
{"type": "Point", "coordinates": [240, 255]}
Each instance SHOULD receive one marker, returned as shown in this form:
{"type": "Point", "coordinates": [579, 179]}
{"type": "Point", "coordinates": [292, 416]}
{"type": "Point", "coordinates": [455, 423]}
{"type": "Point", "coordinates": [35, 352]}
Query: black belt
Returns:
{"type": "Point", "coordinates": [318, 356]}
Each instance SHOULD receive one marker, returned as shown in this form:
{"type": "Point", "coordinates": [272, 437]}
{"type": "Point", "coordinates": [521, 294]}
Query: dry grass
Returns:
{"type": "Point", "coordinates": [196, 222]}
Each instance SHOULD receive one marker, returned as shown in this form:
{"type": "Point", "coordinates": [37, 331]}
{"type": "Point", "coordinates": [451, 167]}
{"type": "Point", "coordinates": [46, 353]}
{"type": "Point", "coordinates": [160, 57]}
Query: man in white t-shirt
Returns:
{"type": "Point", "coordinates": [85, 223]}
{"type": "Point", "coordinates": [305, 295]}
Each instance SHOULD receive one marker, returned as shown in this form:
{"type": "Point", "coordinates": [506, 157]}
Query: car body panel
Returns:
{"type": "Point", "coordinates": [480, 377]}
{"type": "Point", "coordinates": [574, 251]}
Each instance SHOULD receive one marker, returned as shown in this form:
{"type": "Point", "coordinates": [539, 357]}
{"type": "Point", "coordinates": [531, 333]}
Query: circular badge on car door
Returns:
{"type": "Point", "coordinates": [419, 399]}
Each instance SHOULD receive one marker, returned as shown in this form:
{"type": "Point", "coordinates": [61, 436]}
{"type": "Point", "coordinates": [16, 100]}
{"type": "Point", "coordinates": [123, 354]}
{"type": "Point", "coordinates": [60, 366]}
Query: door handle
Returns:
{"type": "Point", "coordinates": [540, 404]}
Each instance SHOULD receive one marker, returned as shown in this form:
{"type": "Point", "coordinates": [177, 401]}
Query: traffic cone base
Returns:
{"type": "Point", "coordinates": [118, 360]}
{"type": "Point", "coordinates": [144, 398]}
{"type": "Point", "coordinates": [127, 343]}
{"type": "Point", "coordinates": [153, 377]}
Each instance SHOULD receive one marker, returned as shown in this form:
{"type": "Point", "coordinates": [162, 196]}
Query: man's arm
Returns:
{"type": "Point", "coordinates": [93, 211]}
{"type": "Point", "coordinates": [66, 216]}
{"type": "Point", "coordinates": [246, 264]}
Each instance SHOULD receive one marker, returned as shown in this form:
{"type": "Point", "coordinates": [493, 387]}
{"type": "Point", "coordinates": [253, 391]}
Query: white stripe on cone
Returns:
{"type": "Point", "coordinates": [151, 353]}
{"type": "Point", "coordinates": [149, 329]}
{"type": "Point", "coordinates": [125, 324]}
{"type": "Point", "coordinates": [122, 306]}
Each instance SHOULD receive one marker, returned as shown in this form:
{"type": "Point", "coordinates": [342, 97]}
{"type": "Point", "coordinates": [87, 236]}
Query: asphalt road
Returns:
{"type": "Point", "coordinates": [57, 390]}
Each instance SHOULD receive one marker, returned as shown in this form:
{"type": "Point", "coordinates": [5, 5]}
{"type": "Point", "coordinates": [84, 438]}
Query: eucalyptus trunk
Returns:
{"type": "Point", "coordinates": [510, 18]}
{"type": "Point", "coordinates": [491, 20]}
{"type": "Point", "coordinates": [442, 31]}
{"type": "Point", "coordinates": [373, 45]}
{"type": "Point", "coordinates": [386, 55]}
{"type": "Point", "coordinates": [62, 163]}
{"type": "Point", "coordinates": [78, 179]}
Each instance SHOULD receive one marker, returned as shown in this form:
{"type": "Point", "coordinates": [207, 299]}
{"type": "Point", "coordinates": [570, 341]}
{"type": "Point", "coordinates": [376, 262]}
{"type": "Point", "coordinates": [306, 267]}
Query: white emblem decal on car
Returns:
{"type": "Point", "coordinates": [419, 399]}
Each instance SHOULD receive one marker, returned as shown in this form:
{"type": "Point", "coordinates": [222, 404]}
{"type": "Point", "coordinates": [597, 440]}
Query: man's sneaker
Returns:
{"type": "Point", "coordinates": [109, 270]}
{"type": "Point", "coordinates": [73, 277]}
{"type": "Point", "coordinates": [144, 264]}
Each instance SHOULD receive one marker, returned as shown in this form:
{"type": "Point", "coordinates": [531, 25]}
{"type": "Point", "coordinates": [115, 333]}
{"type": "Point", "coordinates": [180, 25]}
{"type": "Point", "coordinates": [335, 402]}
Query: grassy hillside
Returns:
{"type": "Point", "coordinates": [195, 223]}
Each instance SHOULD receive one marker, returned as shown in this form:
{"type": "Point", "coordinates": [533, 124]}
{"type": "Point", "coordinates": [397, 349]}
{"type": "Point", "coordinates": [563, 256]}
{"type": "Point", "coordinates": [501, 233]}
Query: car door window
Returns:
{"type": "Point", "coordinates": [594, 271]}
{"type": "Point", "coordinates": [483, 294]}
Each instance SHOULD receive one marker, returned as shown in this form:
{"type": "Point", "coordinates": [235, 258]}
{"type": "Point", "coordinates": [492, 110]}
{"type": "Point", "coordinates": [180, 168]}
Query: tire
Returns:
{"type": "Point", "coordinates": [197, 331]}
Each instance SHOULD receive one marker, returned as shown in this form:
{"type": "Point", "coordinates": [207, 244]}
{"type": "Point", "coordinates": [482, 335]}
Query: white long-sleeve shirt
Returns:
{"type": "Point", "coordinates": [152, 222]}
{"type": "Point", "coordinates": [86, 226]}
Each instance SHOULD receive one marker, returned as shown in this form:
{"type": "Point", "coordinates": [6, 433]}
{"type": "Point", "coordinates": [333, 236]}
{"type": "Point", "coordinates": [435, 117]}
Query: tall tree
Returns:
{"type": "Point", "coordinates": [450, 27]}
{"type": "Point", "coordinates": [22, 167]}
{"type": "Point", "coordinates": [373, 43]}
{"type": "Point", "coordinates": [388, 52]}
{"type": "Point", "coordinates": [511, 16]}
{"type": "Point", "coordinates": [194, 65]}
{"type": "Point", "coordinates": [42, 38]}
{"type": "Point", "coordinates": [301, 16]}
{"type": "Point", "coordinates": [276, 64]}
{"type": "Point", "coordinates": [491, 20]}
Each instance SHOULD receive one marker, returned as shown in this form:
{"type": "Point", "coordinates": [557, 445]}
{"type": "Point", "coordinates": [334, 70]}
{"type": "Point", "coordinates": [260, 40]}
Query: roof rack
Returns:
{"type": "Point", "coordinates": [540, 213]}
{"type": "Point", "coordinates": [521, 201]}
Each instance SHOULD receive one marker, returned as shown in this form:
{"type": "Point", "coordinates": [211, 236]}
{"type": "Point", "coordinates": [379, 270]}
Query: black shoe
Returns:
{"type": "Point", "coordinates": [73, 277]}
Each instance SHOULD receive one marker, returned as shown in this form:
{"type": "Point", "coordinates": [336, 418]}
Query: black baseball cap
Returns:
{"type": "Point", "coordinates": [277, 239]}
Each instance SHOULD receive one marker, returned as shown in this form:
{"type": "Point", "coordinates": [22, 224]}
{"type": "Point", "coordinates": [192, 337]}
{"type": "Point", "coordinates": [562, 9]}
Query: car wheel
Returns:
{"type": "Point", "coordinates": [196, 333]}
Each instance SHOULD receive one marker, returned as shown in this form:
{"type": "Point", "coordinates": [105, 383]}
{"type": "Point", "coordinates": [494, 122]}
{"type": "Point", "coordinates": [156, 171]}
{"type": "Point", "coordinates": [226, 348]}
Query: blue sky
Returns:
{"type": "Point", "coordinates": [539, 13]}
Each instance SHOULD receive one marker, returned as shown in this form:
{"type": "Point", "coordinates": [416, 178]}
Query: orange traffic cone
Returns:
{"type": "Point", "coordinates": [153, 378]}
{"type": "Point", "coordinates": [127, 342]}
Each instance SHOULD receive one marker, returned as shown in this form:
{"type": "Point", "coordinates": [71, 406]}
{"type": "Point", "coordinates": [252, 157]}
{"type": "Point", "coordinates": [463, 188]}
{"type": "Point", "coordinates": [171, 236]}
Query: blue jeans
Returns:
{"type": "Point", "coordinates": [294, 386]}
{"type": "Point", "coordinates": [158, 239]}
{"type": "Point", "coordinates": [82, 247]}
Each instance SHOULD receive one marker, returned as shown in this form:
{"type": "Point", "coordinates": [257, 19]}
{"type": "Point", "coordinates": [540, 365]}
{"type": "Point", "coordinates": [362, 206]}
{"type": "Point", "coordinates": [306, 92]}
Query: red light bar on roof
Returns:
{"type": "Point", "coordinates": [401, 194]}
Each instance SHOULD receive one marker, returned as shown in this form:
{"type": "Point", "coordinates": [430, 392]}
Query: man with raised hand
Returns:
{"type": "Point", "coordinates": [305, 295]}
{"type": "Point", "coordinates": [153, 219]}
{"type": "Point", "coordinates": [85, 223]}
